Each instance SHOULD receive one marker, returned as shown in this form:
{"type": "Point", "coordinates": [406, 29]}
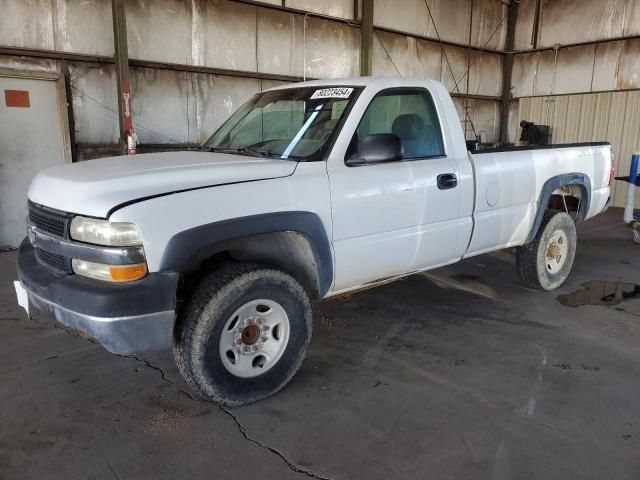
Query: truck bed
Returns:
{"type": "Point", "coordinates": [510, 181]}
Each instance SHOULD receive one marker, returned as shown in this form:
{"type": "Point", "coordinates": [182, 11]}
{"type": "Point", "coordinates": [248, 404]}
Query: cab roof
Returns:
{"type": "Point", "coordinates": [378, 82]}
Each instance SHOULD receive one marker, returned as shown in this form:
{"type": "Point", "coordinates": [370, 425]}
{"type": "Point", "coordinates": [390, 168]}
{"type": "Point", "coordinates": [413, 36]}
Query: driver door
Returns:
{"type": "Point", "coordinates": [393, 218]}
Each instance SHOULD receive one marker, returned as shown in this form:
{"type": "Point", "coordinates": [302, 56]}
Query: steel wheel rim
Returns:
{"type": "Point", "coordinates": [254, 338]}
{"type": "Point", "coordinates": [556, 252]}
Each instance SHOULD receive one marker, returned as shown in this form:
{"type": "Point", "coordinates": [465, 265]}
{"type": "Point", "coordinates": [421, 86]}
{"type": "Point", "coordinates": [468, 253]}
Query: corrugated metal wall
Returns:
{"type": "Point", "coordinates": [564, 22]}
{"type": "Point", "coordinates": [270, 38]}
{"type": "Point", "coordinates": [180, 107]}
{"type": "Point", "coordinates": [558, 84]}
{"type": "Point", "coordinates": [480, 23]}
{"type": "Point", "coordinates": [587, 68]}
{"type": "Point", "coordinates": [170, 106]}
{"type": "Point", "coordinates": [610, 116]}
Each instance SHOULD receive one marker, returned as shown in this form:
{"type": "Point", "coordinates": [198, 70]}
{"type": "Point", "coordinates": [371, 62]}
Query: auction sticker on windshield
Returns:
{"type": "Point", "coordinates": [336, 92]}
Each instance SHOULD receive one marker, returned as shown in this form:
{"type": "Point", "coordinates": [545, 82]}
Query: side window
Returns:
{"type": "Point", "coordinates": [408, 113]}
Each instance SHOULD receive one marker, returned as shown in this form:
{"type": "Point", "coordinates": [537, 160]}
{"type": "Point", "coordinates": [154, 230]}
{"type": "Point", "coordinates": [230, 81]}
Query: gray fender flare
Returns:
{"type": "Point", "coordinates": [579, 179]}
{"type": "Point", "coordinates": [188, 249]}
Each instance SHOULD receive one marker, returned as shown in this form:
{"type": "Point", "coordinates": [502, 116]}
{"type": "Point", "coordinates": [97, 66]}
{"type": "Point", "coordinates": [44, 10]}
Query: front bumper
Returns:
{"type": "Point", "coordinates": [123, 318]}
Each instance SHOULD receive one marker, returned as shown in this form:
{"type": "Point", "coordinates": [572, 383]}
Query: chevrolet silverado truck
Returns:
{"type": "Point", "coordinates": [308, 191]}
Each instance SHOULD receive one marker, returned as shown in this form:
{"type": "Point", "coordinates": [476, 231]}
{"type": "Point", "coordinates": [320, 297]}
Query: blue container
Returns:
{"type": "Point", "coordinates": [633, 172]}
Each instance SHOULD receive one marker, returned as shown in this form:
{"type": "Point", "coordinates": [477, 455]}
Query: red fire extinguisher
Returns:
{"type": "Point", "coordinates": [131, 141]}
{"type": "Point", "coordinates": [130, 136]}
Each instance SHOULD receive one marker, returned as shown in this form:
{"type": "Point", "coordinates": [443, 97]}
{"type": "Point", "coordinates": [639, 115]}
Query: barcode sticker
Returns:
{"type": "Point", "coordinates": [337, 92]}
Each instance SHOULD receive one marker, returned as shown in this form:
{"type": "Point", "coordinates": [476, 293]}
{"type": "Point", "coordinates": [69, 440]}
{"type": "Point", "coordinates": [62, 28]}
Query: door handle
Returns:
{"type": "Point", "coordinates": [447, 181]}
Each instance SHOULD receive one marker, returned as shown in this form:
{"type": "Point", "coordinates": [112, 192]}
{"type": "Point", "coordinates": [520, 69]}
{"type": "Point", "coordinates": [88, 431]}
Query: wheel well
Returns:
{"type": "Point", "coordinates": [569, 199]}
{"type": "Point", "coordinates": [569, 192]}
{"type": "Point", "coordinates": [290, 252]}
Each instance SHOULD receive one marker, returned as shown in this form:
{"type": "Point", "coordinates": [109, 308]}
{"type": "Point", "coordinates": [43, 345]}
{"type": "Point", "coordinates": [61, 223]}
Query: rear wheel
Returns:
{"type": "Point", "coordinates": [243, 334]}
{"type": "Point", "coordinates": [546, 262]}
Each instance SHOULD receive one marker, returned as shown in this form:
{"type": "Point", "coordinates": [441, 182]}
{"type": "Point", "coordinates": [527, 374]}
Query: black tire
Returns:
{"type": "Point", "coordinates": [532, 260]}
{"type": "Point", "coordinates": [200, 325]}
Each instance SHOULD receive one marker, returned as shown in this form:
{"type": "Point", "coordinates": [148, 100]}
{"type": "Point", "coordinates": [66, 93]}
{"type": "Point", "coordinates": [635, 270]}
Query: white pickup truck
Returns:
{"type": "Point", "coordinates": [307, 191]}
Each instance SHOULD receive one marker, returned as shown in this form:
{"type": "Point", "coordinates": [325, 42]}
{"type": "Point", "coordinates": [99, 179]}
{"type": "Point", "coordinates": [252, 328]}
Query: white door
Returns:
{"type": "Point", "coordinates": [396, 217]}
{"type": "Point", "coordinates": [32, 138]}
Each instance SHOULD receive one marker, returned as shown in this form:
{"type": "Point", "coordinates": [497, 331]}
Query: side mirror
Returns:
{"type": "Point", "coordinates": [377, 148]}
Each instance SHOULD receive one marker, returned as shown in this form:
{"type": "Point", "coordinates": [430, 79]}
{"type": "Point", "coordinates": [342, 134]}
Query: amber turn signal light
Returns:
{"type": "Point", "coordinates": [127, 273]}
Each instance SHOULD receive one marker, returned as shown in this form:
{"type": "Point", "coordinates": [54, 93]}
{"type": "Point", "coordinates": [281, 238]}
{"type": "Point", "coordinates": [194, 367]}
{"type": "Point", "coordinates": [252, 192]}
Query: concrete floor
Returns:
{"type": "Point", "coordinates": [458, 373]}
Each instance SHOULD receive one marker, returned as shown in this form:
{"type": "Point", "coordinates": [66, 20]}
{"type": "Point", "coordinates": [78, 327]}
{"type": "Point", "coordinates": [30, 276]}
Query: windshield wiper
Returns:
{"type": "Point", "coordinates": [239, 150]}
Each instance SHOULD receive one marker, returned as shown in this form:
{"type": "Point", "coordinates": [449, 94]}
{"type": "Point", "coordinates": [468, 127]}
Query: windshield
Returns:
{"type": "Point", "coordinates": [294, 123]}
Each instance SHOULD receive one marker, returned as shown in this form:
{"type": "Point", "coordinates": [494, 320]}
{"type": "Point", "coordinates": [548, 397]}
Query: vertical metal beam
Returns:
{"type": "Point", "coordinates": [507, 71]}
{"type": "Point", "coordinates": [121, 58]}
{"type": "Point", "coordinates": [535, 31]}
{"type": "Point", "coordinates": [366, 38]}
{"type": "Point", "coordinates": [70, 115]}
{"type": "Point", "coordinates": [468, 74]}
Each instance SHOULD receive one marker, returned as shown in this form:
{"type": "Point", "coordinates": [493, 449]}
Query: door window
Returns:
{"type": "Point", "coordinates": [408, 113]}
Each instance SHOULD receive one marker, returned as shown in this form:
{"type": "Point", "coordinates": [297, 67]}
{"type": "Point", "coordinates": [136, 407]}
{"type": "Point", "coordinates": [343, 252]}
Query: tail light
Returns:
{"type": "Point", "coordinates": [612, 172]}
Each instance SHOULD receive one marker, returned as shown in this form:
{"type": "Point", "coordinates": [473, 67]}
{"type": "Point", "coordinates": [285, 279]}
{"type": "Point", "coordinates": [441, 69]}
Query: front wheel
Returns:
{"type": "Point", "coordinates": [243, 334]}
{"type": "Point", "coordinates": [546, 262]}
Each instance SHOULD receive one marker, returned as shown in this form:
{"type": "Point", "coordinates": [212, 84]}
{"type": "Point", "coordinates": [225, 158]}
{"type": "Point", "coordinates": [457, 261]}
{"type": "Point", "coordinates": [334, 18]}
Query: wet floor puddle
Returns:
{"type": "Point", "coordinates": [601, 293]}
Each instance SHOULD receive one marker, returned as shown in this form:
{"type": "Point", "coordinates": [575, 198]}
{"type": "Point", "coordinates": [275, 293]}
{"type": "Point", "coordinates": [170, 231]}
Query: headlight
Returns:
{"type": "Point", "coordinates": [104, 232]}
{"type": "Point", "coordinates": [110, 273]}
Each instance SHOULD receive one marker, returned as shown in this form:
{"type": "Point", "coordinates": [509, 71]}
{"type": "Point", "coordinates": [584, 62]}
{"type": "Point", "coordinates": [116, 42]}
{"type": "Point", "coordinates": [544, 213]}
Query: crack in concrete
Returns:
{"type": "Point", "coordinates": [163, 375]}
{"type": "Point", "coordinates": [76, 333]}
{"type": "Point", "coordinates": [292, 466]}
{"type": "Point", "coordinates": [243, 430]}
{"type": "Point", "coordinates": [113, 470]}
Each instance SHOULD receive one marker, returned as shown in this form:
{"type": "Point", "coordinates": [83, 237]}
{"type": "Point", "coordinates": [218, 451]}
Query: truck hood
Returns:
{"type": "Point", "coordinates": [94, 187]}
